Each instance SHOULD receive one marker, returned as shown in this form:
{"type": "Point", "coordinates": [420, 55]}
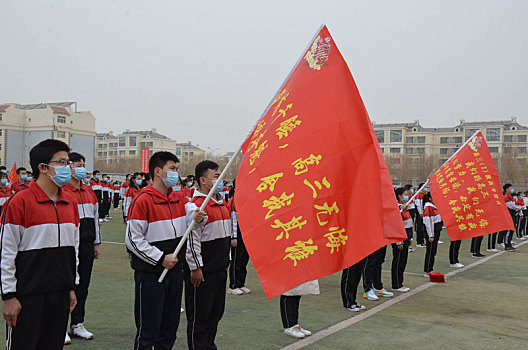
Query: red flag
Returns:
{"type": "Point", "coordinates": [145, 159]}
{"type": "Point", "coordinates": [13, 175]}
{"type": "Point", "coordinates": [314, 194]}
{"type": "Point", "coordinates": [467, 192]}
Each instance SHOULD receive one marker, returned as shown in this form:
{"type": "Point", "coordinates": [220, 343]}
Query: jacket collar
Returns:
{"type": "Point", "coordinates": [429, 204]}
{"type": "Point", "coordinates": [158, 197]}
{"type": "Point", "coordinates": [198, 193]}
{"type": "Point", "coordinates": [42, 197]}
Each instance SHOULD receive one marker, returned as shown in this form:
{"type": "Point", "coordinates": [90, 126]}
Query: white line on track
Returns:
{"type": "Point", "coordinates": [355, 319]}
{"type": "Point", "coordinates": [114, 242]}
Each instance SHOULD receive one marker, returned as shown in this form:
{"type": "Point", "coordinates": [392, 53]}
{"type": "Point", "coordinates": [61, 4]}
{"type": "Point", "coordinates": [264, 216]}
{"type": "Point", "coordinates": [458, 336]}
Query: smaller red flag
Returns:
{"type": "Point", "coordinates": [13, 175]}
{"type": "Point", "coordinates": [467, 192]}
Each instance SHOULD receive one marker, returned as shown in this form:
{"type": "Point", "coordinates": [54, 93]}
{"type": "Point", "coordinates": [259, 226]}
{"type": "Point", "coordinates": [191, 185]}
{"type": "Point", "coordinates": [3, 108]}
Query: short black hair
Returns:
{"type": "Point", "coordinates": [407, 187]}
{"type": "Point", "coordinates": [202, 167]}
{"type": "Point", "coordinates": [76, 157]}
{"type": "Point", "coordinates": [159, 159]}
{"type": "Point", "coordinates": [95, 172]}
{"type": "Point", "coordinates": [506, 186]}
{"type": "Point", "coordinates": [399, 191]}
{"type": "Point", "coordinates": [2, 174]}
{"type": "Point", "coordinates": [43, 152]}
{"type": "Point", "coordinates": [3, 167]}
{"type": "Point", "coordinates": [21, 169]}
{"type": "Point", "coordinates": [427, 197]}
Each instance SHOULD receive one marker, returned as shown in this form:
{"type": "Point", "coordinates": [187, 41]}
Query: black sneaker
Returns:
{"type": "Point", "coordinates": [356, 307]}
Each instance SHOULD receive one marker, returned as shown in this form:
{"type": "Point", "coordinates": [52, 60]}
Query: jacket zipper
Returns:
{"type": "Point", "coordinates": [58, 222]}
{"type": "Point", "coordinates": [174, 228]}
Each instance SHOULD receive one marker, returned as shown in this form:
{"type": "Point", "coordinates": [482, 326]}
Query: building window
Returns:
{"type": "Point", "coordinates": [520, 138]}
{"type": "Point", "coordinates": [0, 117]}
{"type": "Point", "coordinates": [395, 136]}
{"type": "Point", "coordinates": [383, 150]}
{"type": "Point", "coordinates": [132, 141]}
{"type": "Point", "coordinates": [522, 161]}
{"type": "Point", "coordinates": [409, 151]}
{"type": "Point", "coordinates": [508, 138]}
{"type": "Point", "coordinates": [418, 160]}
{"type": "Point", "coordinates": [494, 149]}
{"type": "Point", "coordinates": [380, 135]}
{"type": "Point", "coordinates": [122, 153]}
{"type": "Point", "coordinates": [0, 135]}
{"type": "Point", "coordinates": [458, 139]}
{"type": "Point", "coordinates": [112, 144]}
{"type": "Point", "coordinates": [444, 150]}
{"type": "Point", "coordinates": [444, 139]}
{"type": "Point", "coordinates": [522, 150]}
{"type": "Point", "coordinates": [61, 119]}
{"type": "Point", "coordinates": [61, 134]}
{"type": "Point", "coordinates": [122, 141]}
{"type": "Point", "coordinates": [100, 145]}
{"type": "Point", "coordinates": [420, 139]}
{"type": "Point", "coordinates": [469, 132]}
{"type": "Point", "coordinates": [394, 150]}
{"type": "Point", "coordinates": [420, 150]}
{"type": "Point", "coordinates": [178, 152]}
{"type": "Point", "coordinates": [409, 139]}
{"type": "Point", "coordinates": [493, 134]}
{"type": "Point", "coordinates": [100, 154]}
{"type": "Point", "coordinates": [506, 150]}
{"type": "Point", "coordinates": [132, 153]}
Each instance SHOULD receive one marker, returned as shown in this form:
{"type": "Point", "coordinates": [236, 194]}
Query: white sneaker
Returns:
{"type": "Point", "coordinates": [402, 289]}
{"type": "Point", "coordinates": [426, 275]}
{"type": "Point", "coordinates": [440, 242]}
{"type": "Point", "coordinates": [522, 238]}
{"type": "Point", "coordinates": [295, 332]}
{"type": "Point", "coordinates": [304, 331]}
{"type": "Point", "coordinates": [495, 250]}
{"type": "Point", "coordinates": [182, 310]}
{"type": "Point", "coordinates": [370, 295]}
{"type": "Point", "coordinates": [501, 245]}
{"type": "Point", "coordinates": [67, 339]}
{"type": "Point", "coordinates": [356, 307]}
{"type": "Point", "coordinates": [456, 265]}
{"type": "Point", "coordinates": [245, 290]}
{"type": "Point", "coordinates": [78, 330]}
{"type": "Point", "coordinates": [236, 291]}
{"type": "Point", "coordinates": [411, 249]}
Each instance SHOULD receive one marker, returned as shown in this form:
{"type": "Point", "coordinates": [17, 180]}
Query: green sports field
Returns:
{"type": "Point", "coordinates": [483, 307]}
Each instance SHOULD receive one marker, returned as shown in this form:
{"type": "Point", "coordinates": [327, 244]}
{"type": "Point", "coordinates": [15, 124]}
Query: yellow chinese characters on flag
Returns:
{"type": "Point", "coordinates": [313, 193]}
{"type": "Point", "coordinates": [468, 193]}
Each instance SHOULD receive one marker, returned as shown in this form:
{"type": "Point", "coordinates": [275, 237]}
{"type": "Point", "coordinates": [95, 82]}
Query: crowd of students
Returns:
{"type": "Point", "coordinates": [50, 236]}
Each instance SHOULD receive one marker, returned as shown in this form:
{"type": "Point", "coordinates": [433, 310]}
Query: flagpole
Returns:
{"type": "Point", "coordinates": [202, 207]}
{"type": "Point", "coordinates": [415, 194]}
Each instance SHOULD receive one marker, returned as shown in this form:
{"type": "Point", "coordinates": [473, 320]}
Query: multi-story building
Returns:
{"type": "Point", "coordinates": [112, 149]}
{"type": "Point", "coordinates": [416, 145]}
{"type": "Point", "coordinates": [23, 126]}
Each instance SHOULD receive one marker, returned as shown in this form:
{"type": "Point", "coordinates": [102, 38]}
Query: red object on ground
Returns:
{"type": "Point", "coordinates": [436, 277]}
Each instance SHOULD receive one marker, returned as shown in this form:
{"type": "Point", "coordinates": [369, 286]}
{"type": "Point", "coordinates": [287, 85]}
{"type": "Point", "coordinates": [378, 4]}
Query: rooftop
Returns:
{"type": "Point", "coordinates": [511, 124]}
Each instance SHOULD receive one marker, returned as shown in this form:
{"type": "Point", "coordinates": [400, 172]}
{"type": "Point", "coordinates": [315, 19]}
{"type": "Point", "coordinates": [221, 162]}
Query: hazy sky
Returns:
{"type": "Point", "coordinates": [205, 70]}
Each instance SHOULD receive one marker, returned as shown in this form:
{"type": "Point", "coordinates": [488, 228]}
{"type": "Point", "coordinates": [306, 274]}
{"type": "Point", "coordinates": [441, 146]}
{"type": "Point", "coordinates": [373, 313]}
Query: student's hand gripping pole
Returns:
{"type": "Point", "coordinates": [202, 207]}
{"type": "Point", "coordinates": [415, 194]}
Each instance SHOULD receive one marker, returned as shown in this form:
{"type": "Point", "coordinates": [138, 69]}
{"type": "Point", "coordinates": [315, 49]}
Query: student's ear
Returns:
{"type": "Point", "coordinates": [43, 168]}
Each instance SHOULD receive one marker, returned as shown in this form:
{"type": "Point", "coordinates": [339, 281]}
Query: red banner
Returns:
{"type": "Point", "coordinates": [145, 159]}
{"type": "Point", "coordinates": [314, 195]}
{"type": "Point", "coordinates": [468, 194]}
{"type": "Point", "coordinates": [13, 175]}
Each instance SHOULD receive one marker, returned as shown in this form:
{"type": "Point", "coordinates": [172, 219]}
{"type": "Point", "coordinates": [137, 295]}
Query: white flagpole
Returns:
{"type": "Point", "coordinates": [202, 207]}
{"type": "Point", "coordinates": [415, 194]}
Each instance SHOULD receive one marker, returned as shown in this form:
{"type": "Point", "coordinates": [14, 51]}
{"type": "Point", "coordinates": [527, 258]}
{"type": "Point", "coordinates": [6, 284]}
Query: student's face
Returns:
{"type": "Point", "coordinates": [169, 166]}
{"type": "Point", "coordinates": [209, 177]}
{"type": "Point", "coordinates": [22, 173]}
{"type": "Point", "coordinates": [79, 164]}
{"type": "Point", "coordinates": [59, 159]}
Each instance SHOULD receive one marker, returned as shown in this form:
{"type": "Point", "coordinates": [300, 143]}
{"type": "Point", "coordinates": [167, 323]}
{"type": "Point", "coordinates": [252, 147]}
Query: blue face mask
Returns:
{"type": "Point", "coordinates": [23, 177]}
{"type": "Point", "coordinates": [405, 199]}
{"type": "Point", "coordinates": [219, 185]}
{"type": "Point", "coordinates": [190, 183]}
{"type": "Point", "coordinates": [426, 190]}
{"type": "Point", "coordinates": [79, 173]}
{"type": "Point", "coordinates": [176, 188]}
{"type": "Point", "coordinates": [515, 197]}
{"type": "Point", "coordinates": [139, 182]}
{"type": "Point", "coordinates": [512, 191]}
{"type": "Point", "coordinates": [62, 175]}
{"type": "Point", "coordinates": [4, 171]}
{"type": "Point", "coordinates": [86, 181]}
{"type": "Point", "coordinates": [29, 178]}
{"type": "Point", "coordinates": [412, 190]}
{"type": "Point", "coordinates": [172, 179]}
{"type": "Point", "coordinates": [3, 182]}
{"type": "Point", "coordinates": [98, 177]}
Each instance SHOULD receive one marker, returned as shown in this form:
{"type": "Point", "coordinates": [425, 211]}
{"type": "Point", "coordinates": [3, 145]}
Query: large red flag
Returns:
{"type": "Point", "coordinates": [314, 195]}
{"type": "Point", "coordinates": [12, 174]}
{"type": "Point", "coordinates": [467, 192]}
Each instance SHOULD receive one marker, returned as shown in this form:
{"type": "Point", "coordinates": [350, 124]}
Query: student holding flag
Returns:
{"type": "Point", "coordinates": [433, 226]}
{"type": "Point", "coordinates": [400, 249]}
{"type": "Point", "coordinates": [507, 235]}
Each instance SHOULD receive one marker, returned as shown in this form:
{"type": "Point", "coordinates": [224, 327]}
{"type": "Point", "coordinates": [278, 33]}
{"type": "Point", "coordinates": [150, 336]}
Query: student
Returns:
{"type": "Point", "coordinates": [239, 256]}
{"type": "Point", "coordinates": [207, 261]}
{"type": "Point", "coordinates": [518, 198]}
{"type": "Point", "coordinates": [89, 242]}
{"type": "Point", "coordinates": [492, 241]}
{"type": "Point", "coordinates": [117, 197]}
{"type": "Point", "coordinates": [3, 169]}
{"type": "Point", "coordinates": [454, 249]}
{"type": "Point", "coordinates": [418, 222]}
{"type": "Point", "coordinates": [124, 187]}
{"type": "Point", "coordinates": [131, 193]}
{"type": "Point", "coordinates": [289, 307]}
{"type": "Point", "coordinates": [412, 210]}
{"type": "Point", "coordinates": [400, 250]}
{"type": "Point", "coordinates": [506, 237]}
{"type": "Point", "coordinates": [22, 180]}
{"type": "Point", "coordinates": [39, 275]}
{"type": "Point", "coordinates": [97, 186]}
{"type": "Point", "coordinates": [5, 192]}
{"type": "Point", "coordinates": [372, 275]}
{"type": "Point", "coordinates": [433, 226]}
{"type": "Point", "coordinates": [155, 226]}
{"type": "Point", "coordinates": [349, 283]}
{"type": "Point", "coordinates": [476, 242]}
{"type": "Point", "coordinates": [29, 177]}
{"type": "Point", "coordinates": [107, 198]}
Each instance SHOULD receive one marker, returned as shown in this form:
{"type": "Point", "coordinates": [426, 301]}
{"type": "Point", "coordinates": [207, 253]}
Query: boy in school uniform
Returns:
{"type": "Point", "coordinates": [5, 191]}
{"type": "Point", "coordinates": [22, 182]}
{"type": "Point", "coordinates": [40, 241]}
{"type": "Point", "coordinates": [433, 226]}
{"type": "Point", "coordinates": [400, 250]}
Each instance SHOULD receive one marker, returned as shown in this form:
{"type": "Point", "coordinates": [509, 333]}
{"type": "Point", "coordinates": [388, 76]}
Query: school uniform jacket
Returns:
{"type": "Point", "coordinates": [17, 186]}
{"type": "Point", "coordinates": [88, 207]}
{"type": "Point", "coordinates": [431, 219]}
{"type": "Point", "coordinates": [155, 226]}
{"type": "Point", "coordinates": [39, 243]}
{"type": "Point", "coordinates": [208, 247]}
{"type": "Point", "coordinates": [123, 189]}
{"type": "Point", "coordinates": [5, 193]}
{"type": "Point", "coordinates": [97, 187]}
{"type": "Point", "coordinates": [418, 201]}
{"type": "Point", "coordinates": [130, 194]}
{"type": "Point", "coordinates": [511, 205]}
{"type": "Point", "coordinates": [235, 229]}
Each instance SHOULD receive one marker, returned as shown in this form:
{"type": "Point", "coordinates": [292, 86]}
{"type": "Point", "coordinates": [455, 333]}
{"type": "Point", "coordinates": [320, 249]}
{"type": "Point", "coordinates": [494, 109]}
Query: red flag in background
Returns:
{"type": "Point", "coordinates": [467, 192]}
{"type": "Point", "coordinates": [12, 174]}
{"type": "Point", "coordinates": [314, 195]}
{"type": "Point", "coordinates": [145, 152]}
